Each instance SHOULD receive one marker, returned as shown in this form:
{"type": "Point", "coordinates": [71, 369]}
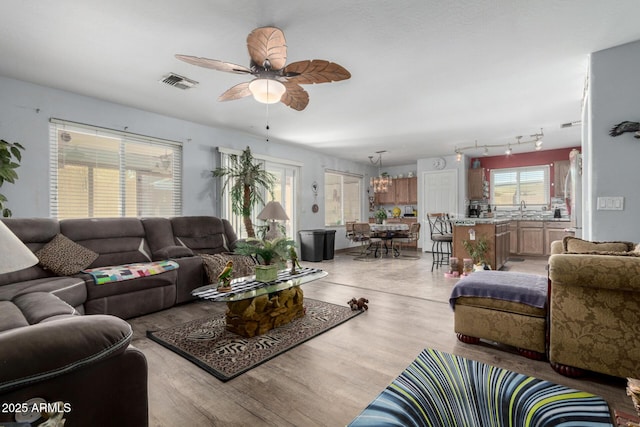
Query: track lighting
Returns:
{"type": "Point", "coordinates": [536, 140]}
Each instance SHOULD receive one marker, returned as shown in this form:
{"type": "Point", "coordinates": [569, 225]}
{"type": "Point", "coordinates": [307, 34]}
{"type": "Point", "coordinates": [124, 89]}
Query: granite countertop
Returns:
{"type": "Point", "coordinates": [474, 221]}
{"type": "Point", "coordinates": [501, 220]}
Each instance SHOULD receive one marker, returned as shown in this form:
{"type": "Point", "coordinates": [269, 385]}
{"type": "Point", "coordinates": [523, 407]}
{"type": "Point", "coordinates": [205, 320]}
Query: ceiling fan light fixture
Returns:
{"type": "Point", "coordinates": [267, 91]}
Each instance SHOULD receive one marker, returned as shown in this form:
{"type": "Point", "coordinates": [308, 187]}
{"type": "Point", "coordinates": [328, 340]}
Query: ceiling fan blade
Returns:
{"type": "Point", "coordinates": [315, 71]}
{"type": "Point", "coordinates": [236, 92]}
{"type": "Point", "coordinates": [295, 97]}
{"type": "Point", "coordinates": [214, 64]}
{"type": "Point", "coordinates": [267, 43]}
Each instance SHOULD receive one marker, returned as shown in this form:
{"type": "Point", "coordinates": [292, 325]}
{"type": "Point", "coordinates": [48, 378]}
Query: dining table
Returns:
{"type": "Point", "coordinates": [386, 233]}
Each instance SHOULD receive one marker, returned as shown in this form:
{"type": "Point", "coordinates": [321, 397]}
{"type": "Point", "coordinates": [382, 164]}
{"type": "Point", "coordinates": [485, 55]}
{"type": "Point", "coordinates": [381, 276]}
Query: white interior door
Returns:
{"type": "Point", "coordinates": [439, 194]}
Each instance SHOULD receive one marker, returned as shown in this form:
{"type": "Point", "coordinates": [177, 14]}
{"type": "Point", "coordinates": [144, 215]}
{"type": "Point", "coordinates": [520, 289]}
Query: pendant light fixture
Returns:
{"type": "Point", "coordinates": [383, 181]}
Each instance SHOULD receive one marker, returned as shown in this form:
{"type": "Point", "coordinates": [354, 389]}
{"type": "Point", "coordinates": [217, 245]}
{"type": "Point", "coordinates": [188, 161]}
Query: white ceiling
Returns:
{"type": "Point", "coordinates": [427, 76]}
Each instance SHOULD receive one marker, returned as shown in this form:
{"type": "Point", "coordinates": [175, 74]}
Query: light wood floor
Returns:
{"type": "Point", "coordinates": [328, 380]}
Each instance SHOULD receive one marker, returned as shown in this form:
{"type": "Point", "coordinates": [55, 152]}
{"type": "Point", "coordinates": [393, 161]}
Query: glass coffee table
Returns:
{"type": "Point", "coordinates": [254, 308]}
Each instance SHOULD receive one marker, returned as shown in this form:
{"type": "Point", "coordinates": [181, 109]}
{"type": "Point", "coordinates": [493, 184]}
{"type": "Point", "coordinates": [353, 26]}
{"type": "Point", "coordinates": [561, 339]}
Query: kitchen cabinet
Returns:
{"type": "Point", "coordinates": [513, 237]}
{"type": "Point", "coordinates": [388, 197]}
{"type": "Point", "coordinates": [413, 191]}
{"type": "Point", "coordinates": [403, 191]}
{"type": "Point", "coordinates": [535, 237]}
{"type": "Point", "coordinates": [531, 238]}
{"type": "Point", "coordinates": [503, 243]}
{"type": "Point", "coordinates": [476, 184]}
{"type": "Point", "coordinates": [554, 231]}
{"type": "Point", "coordinates": [495, 232]}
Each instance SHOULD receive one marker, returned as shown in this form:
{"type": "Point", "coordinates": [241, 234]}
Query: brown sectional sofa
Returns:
{"type": "Point", "coordinates": [64, 338]}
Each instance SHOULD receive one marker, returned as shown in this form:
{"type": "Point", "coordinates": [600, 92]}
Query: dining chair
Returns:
{"type": "Point", "coordinates": [441, 238]}
{"type": "Point", "coordinates": [413, 235]}
{"type": "Point", "coordinates": [362, 234]}
{"type": "Point", "coordinates": [348, 229]}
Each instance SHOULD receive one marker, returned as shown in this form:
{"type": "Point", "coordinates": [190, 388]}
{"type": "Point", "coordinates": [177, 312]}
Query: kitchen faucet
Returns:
{"type": "Point", "coordinates": [523, 206]}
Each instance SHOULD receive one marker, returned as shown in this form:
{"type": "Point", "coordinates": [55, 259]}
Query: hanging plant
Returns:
{"type": "Point", "coordinates": [10, 157]}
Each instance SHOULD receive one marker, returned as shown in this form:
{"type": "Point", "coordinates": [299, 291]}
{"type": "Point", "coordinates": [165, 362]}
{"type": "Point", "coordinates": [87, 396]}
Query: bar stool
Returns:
{"type": "Point", "coordinates": [441, 237]}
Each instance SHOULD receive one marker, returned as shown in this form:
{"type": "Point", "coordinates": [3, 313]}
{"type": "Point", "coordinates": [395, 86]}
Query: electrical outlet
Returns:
{"type": "Point", "coordinates": [610, 203]}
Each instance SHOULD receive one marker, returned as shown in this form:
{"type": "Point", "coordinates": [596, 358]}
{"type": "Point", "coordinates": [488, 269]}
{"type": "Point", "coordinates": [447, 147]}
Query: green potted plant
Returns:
{"type": "Point", "coordinates": [247, 180]}
{"type": "Point", "coordinates": [272, 254]}
{"type": "Point", "coordinates": [10, 157]}
{"type": "Point", "coordinates": [477, 250]}
{"type": "Point", "coordinates": [380, 215]}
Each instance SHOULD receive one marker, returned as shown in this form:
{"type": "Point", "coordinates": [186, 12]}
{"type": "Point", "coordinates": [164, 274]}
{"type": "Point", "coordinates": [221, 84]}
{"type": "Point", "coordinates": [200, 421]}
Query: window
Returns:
{"type": "Point", "coordinates": [511, 186]}
{"type": "Point", "coordinates": [284, 191]}
{"type": "Point", "coordinates": [96, 172]}
{"type": "Point", "coordinates": [342, 198]}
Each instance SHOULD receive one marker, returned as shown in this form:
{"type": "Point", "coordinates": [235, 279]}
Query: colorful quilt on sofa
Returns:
{"type": "Point", "coordinates": [441, 389]}
{"type": "Point", "coordinates": [118, 273]}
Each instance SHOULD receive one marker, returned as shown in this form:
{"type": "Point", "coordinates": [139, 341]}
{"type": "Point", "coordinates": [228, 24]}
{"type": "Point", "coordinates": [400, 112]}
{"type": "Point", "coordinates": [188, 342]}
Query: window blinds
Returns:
{"type": "Point", "coordinates": [97, 172]}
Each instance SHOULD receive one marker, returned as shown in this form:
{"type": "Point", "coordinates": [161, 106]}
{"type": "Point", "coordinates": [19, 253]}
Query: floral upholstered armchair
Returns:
{"type": "Point", "coordinates": [595, 307]}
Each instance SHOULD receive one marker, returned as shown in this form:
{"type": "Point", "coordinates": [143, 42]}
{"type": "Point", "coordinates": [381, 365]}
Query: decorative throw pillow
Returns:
{"type": "Point", "coordinates": [576, 245]}
{"type": "Point", "coordinates": [213, 264]}
{"type": "Point", "coordinates": [65, 257]}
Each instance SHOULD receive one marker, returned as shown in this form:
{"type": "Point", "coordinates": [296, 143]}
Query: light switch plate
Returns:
{"type": "Point", "coordinates": [610, 203]}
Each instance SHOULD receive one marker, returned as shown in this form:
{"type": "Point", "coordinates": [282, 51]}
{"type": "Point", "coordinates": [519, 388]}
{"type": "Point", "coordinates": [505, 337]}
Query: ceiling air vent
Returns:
{"type": "Point", "coordinates": [571, 124]}
{"type": "Point", "coordinates": [178, 81]}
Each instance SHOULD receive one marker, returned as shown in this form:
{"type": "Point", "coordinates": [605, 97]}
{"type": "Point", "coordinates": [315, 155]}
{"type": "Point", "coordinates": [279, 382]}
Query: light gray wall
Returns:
{"type": "Point", "coordinates": [612, 162]}
{"type": "Point", "coordinates": [25, 110]}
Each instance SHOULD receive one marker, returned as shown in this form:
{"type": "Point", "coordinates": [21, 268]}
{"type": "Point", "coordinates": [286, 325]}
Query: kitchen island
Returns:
{"type": "Point", "coordinates": [494, 230]}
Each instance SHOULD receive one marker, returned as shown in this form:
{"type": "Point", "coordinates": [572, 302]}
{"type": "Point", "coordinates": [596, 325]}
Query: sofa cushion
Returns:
{"type": "Point", "coordinates": [71, 290]}
{"type": "Point", "coordinates": [34, 233]}
{"type": "Point", "coordinates": [204, 234]}
{"type": "Point", "coordinates": [577, 245]}
{"type": "Point", "coordinates": [610, 253]}
{"type": "Point", "coordinates": [116, 240]}
{"type": "Point", "coordinates": [174, 251]}
{"type": "Point", "coordinates": [65, 257]}
{"type": "Point", "coordinates": [49, 349]}
{"type": "Point", "coordinates": [214, 264]}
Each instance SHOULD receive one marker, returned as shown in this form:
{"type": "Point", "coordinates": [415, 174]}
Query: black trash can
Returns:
{"type": "Point", "coordinates": [311, 245]}
{"type": "Point", "coordinates": [329, 244]}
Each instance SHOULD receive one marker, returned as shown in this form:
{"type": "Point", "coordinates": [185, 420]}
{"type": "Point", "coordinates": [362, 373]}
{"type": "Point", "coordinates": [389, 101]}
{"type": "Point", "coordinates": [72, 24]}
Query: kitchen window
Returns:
{"type": "Point", "coordinates": [342, 198]}
{"type": "Point", "coordinates": [509, 187]}
{"type": "Point", "coordinates": [97, 172]}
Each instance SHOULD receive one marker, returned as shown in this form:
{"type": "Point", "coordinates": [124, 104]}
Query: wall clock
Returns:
{"type": "Point", "coordinates": [439, 163]}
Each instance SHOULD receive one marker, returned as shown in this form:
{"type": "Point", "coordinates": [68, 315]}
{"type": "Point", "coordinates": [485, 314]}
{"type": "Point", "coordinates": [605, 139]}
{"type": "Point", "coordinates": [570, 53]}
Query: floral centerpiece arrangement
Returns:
{"type": "Point", "coordinates": [380, 215]}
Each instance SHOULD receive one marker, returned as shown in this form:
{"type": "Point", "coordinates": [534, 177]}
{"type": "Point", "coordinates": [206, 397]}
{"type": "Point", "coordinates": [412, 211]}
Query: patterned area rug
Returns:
{"type": "Point", "coordinates": [226, 355]}
{"type": "Point", "coordinates": [441, 389]}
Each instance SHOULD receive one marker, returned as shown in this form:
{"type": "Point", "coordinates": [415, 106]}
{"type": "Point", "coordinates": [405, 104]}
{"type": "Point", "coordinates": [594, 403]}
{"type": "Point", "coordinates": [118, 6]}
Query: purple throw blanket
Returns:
{"type": "Point", "coordinates": [528, 289]}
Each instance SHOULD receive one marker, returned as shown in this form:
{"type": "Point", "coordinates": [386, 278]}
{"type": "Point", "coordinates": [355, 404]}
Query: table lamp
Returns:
{"type": "Point", "coordinates": [15, 255]}
{"type": "Point", "coordinates": [271, 213]}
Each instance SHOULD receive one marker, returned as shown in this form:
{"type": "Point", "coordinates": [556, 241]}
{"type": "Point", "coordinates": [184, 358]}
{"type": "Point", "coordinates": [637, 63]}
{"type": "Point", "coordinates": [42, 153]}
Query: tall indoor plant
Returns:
{"type": "Point", "coordinates": [10, 157]}
{"type": "Point", "coordinates": [247, 180]}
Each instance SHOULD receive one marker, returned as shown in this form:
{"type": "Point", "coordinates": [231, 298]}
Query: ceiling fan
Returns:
{"type": "Point", "coordinates": [273, 82]}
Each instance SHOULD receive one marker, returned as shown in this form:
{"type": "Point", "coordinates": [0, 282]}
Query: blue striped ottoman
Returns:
{"type": "Point", "coordinates": [440, 389]}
